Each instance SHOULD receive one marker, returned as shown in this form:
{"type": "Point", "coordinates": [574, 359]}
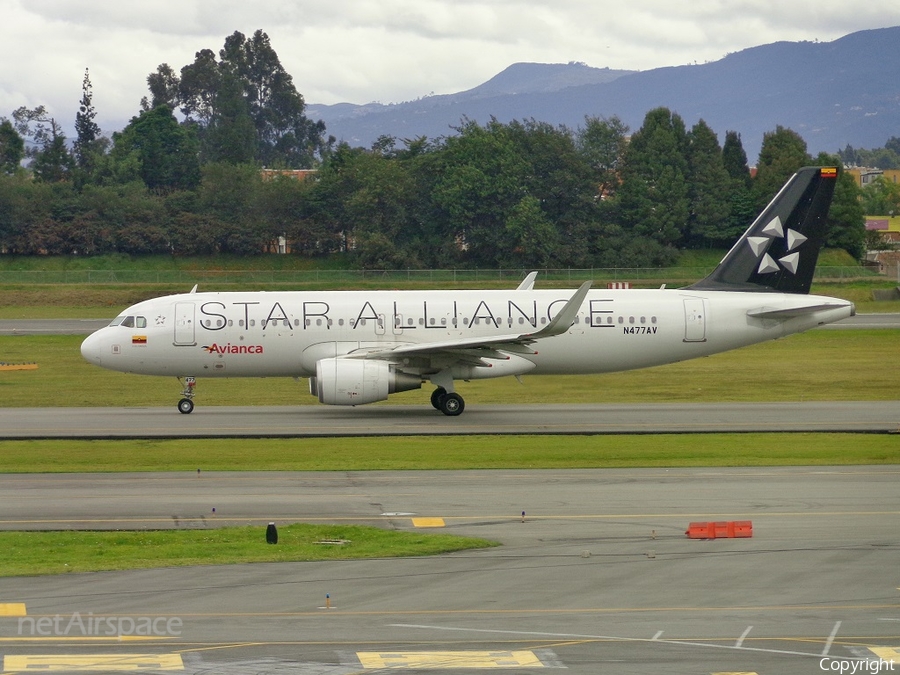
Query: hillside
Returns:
{"type": "Point", "coordinates": [832, 93]}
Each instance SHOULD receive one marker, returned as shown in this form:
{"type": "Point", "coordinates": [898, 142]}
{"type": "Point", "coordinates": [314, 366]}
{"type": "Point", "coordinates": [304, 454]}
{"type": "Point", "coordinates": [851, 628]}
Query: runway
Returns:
{"type": "Point", "coordinates": [396, 420]}
{"type": "Point", "coordinates": [599, 578]}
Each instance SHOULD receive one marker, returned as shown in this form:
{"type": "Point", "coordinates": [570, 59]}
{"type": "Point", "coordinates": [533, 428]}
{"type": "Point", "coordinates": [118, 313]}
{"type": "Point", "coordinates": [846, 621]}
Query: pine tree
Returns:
{"type": "Point", "coordinates": [653, 196]}
{"type": "Point", "coordinates": [708, 186]}
{"type": "Point", "coordinates": [86, 130]}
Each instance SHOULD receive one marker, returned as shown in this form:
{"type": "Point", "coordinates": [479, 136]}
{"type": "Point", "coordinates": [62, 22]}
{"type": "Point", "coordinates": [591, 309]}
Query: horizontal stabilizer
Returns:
{"type": "Point", "coordinates": [765, 313]}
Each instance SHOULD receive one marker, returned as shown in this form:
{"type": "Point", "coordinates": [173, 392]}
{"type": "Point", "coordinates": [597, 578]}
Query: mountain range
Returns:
{"type": "Point", "coordinates": [845, 92]}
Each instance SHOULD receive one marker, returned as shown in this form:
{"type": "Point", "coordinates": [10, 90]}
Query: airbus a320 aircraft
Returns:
{"type": "Point", "coordinates": [358, 347]}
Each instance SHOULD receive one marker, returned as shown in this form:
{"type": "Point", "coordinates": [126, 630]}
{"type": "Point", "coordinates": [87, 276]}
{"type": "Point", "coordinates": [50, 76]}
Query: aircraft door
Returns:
{"type": "Point", "coordinates": [184, 324]}
{"type": "Point", "coordinates": [694, 320]}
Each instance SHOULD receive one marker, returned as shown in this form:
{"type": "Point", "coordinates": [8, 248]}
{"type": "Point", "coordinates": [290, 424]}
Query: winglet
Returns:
{"type": "Point", "coordinates": [564, 319]}
{"type": "Point", "coordinates": [528, 282]}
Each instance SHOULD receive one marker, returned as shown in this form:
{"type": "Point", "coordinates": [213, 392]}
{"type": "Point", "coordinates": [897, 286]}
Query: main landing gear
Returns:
{"type": "Point", "coordinates": [186, 404]}
{"type": "Point", "coordinates": [451, 404]}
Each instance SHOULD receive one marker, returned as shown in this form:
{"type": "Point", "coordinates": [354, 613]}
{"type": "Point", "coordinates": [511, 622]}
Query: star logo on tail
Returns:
{"type": "Point", "coordinates": [761, 243]}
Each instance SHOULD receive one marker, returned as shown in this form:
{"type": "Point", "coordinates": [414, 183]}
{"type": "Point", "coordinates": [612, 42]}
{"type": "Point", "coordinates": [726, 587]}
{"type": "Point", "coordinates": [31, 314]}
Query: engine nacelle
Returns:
{"type": "Point", "coordinates": [357, 381]}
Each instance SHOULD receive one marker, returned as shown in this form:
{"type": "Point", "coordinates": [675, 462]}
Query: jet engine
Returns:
{"type": "Point", "coordinates": [341, 381]}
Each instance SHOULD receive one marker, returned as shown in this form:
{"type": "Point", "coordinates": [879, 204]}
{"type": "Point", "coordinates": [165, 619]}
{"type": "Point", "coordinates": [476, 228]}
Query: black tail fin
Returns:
{"type": "Point", "coordinates": [779, 250]}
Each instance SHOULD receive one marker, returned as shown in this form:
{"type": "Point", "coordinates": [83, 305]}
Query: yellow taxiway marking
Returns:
{"type": "Point", "coordinates": [889, 654]}
{"type": "Point", "coordinates": [12, 609]}
{"type": "Point", "coordinates": [438, 660]}
{"type": "Point", "coordinates": [428, 522]}
{"type": "Point", "coordinates": [90, 662]}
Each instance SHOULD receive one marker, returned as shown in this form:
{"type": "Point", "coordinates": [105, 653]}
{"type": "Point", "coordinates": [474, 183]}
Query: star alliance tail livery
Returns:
{"type": "Point", "coordinates": [359, 347]}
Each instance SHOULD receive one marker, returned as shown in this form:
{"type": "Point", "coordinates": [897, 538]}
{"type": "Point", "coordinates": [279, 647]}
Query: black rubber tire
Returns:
{"type": "Point", "coordinates": [185, 406]}
{"type": "Point", "coordinates": [452, 405]}
{"type": "Point", "coordinates": [436, 397]}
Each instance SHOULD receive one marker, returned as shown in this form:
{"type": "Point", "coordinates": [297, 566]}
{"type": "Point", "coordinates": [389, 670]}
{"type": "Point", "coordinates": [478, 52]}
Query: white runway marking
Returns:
{"type": "Point", "coordinates": [834, 632]}
{"type": "Point", "coordinates": [743, 635]}
{"type": "Point", "coordinates": [570, 636]}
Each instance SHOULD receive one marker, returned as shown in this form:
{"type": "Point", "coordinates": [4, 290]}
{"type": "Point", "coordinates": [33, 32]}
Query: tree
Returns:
{"type": "Point", "coordinates": [881, 197]}
{"type": "Point", "coordinates": [478, 182]}
{"type": "Point", "coordinates": [734, 159]}
{"type": "Point", "coordinates": [846, 225]}
{"type": "Point", "coordinates": [230, 135]}
{"type": "Point", "coordinates": [709, 185]}
{"type": "Point", "coordinates": [166, 152]}
{"type": "Point", "coordinates": [742, 208]}
{"type": "Point", "coordinates": [12, 147]}
{"type": "Point", "coordinates": [207, 93]}
{"type": "Point", "coordinates": [229, 194]}
{"type": "Point", "coordinates": [198, 87]}
{"type": "Point", "coordinates": [783, 152]}
{"type": "Point", "coordinates": [87, 131]}
{"type": "Point", "coordinates": [653, 198]}
{"type": "Point", "coordinates": [51, 161]}
{"type": "Point", "coordinates": [602, 143]}
{"type": "Point", "coordinates": [163, 85]}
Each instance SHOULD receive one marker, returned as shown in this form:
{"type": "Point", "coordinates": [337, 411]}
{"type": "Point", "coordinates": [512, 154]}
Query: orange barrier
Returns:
{"type": "Point", "coordinates": [732, 529]}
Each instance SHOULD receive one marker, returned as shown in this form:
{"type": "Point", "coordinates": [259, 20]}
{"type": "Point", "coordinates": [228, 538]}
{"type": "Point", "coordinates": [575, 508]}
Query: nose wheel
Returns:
{"type": "Point", "coordinates": [186, 404]}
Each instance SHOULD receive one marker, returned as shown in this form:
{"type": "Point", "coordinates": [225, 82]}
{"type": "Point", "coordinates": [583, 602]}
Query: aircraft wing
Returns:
{"type": "Point", "coordinates": [487, 345]}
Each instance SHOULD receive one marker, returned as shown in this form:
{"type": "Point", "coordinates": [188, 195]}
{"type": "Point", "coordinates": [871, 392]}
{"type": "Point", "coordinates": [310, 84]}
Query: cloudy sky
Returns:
{"type": "Point", "coordinates": [383, 50]}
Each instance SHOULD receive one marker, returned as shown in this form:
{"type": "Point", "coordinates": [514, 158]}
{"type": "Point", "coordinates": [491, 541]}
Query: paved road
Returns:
{"type": "Point", "coordinates": [600, 577]}
{"type": "Point", "coordinates": [391, 420]}
{"type": "Point", "coordinates": [51, 326]}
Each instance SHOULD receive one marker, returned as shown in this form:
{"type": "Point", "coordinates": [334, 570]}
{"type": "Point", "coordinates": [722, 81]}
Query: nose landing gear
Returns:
{"type": "Point", "coordinates": [186, 404]}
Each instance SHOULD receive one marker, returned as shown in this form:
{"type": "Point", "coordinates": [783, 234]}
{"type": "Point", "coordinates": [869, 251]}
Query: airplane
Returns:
{"type": "Point", "coordinates": [359, 347]}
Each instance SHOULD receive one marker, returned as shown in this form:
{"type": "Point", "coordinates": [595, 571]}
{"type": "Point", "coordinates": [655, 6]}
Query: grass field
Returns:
{"type": "Point", "coordinates": [449, 453]}
{"type": "Point", "coordinates": [36, 553]}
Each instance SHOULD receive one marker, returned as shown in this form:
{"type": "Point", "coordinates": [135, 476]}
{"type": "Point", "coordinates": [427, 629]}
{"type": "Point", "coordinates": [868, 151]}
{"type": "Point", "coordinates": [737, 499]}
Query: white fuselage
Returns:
{"type": "Point", "coordinates": [266, 334]}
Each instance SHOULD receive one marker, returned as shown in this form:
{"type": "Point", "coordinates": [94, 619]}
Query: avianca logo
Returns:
{"type": "Point", "coordinates": [229, 348]}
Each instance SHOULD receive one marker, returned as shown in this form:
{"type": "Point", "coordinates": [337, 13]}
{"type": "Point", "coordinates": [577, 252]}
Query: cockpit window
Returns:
{"type": "Point", "coordinates": [127, 321]}
{"type": "Point", "coordinates": [130, 321]}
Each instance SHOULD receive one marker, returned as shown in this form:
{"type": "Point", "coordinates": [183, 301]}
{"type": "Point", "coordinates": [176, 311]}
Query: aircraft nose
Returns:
{"type": "Point", "coordinates": [90, 348]}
